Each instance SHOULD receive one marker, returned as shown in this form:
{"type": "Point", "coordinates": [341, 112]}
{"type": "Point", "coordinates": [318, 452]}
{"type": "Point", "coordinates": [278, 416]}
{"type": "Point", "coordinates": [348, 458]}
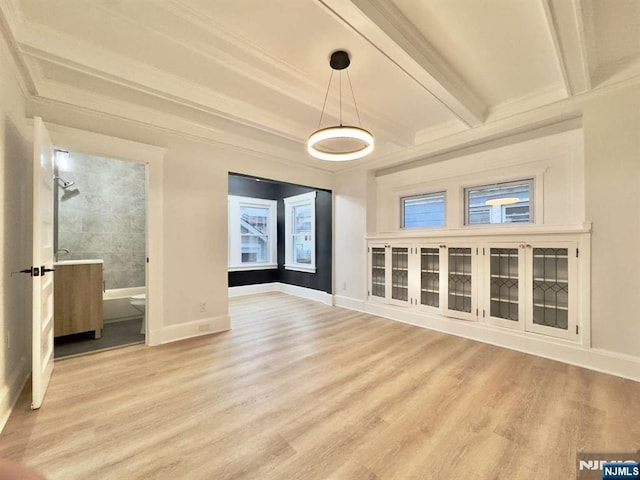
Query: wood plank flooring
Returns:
{"type": "Point", "coordinates": [301, 390]}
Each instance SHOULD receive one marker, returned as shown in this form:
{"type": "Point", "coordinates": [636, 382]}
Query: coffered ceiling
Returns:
{"type": "Point", "coordinates": [254, 73]}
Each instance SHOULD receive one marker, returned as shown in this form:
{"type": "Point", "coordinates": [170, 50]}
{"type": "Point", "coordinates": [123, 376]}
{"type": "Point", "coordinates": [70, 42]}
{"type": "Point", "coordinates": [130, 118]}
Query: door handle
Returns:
{"type": "Point", "coordinates": [44, 270]}
{"type": "Point", "coordinates": [33, 271]}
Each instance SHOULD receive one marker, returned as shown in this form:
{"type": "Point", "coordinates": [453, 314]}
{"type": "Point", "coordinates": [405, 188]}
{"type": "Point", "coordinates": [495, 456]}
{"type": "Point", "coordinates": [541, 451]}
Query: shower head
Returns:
{"type": "Point", "coordinates": [63, 183]}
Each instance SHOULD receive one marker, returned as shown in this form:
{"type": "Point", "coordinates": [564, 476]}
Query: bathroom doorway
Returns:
{"type": "Point", "coordinates": [100, 225]}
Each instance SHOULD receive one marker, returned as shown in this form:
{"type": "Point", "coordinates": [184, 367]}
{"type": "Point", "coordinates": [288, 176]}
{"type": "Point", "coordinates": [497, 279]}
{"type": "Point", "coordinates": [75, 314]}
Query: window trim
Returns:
{"type": "Point", "coordinates": [234, 256]}
{"type": "Point", "coordinates": [419, 195]}
{"type": "Point", "coordinates": [289, 204]}
{"type": "Point", "coordinates": [532, 180]}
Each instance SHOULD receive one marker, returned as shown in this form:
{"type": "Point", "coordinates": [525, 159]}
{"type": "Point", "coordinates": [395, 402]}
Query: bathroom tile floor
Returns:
{"type": "Point", "coordinates": [114, 334]}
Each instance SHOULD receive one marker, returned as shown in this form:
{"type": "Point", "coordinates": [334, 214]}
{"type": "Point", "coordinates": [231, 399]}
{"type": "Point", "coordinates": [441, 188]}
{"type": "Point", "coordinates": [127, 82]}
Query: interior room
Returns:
{"type": "Point", "coordinates": [99, 215]}
{"type": "Point", "coordinates": [373, 239]}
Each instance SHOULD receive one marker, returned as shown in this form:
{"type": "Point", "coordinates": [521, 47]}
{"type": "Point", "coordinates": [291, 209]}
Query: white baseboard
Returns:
{"type": "Point", "coordinates": [196, 328]}
{"type": "Point", "coordinates": [625, 366]}
{"type": "Point", "coordinates": [308, 293]}
{"type": "Point", "coordinates": [11, 390]}
{"type": "Point", "coordinates": [253, 289]}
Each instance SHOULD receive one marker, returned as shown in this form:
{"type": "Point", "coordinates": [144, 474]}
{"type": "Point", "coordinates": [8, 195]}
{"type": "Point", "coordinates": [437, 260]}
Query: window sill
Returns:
{"type": "Point", "coordinates": [259, 266]}
{"type": "Point", "coordinates": [300, 268]}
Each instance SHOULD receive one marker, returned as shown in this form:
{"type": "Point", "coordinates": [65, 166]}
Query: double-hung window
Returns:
{"type": "Point", "coordinates": [252, 233]}
{"type": "Point", "coordinates": [300, 232]}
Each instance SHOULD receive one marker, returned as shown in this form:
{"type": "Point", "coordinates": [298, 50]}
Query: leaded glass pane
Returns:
{"type": "Point", "coordinates": [504, 283]}
{"type": "Point", "coordinates": [551, 287]}
{"type": "Point", "coordinates": [378, 272]}
{"type": "Point", "coordinates": [430, 276]}
{"type": "Point", "coordinates": [459, 279]}
{"type": "Point", "coordinates": [400, 273]}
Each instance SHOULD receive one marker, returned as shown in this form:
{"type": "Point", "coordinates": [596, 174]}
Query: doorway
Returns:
{"type": "Point", "coordinates": [100, 208]}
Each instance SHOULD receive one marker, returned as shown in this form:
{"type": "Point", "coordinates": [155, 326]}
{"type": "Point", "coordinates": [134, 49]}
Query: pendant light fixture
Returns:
{"type": "Point", "coordinates": [341, 142]}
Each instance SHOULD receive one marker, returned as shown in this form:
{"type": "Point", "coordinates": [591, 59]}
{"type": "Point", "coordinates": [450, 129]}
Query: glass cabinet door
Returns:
{"type": "Point", "coordinates": [400, 273]}
{"type": "Point", "coordinates": [551, 287]}
{"type": "Point", "coordinates": [505, 302]}
{"type": "Point", "coordinates": [460, 296]}
{"type": "Point", "coordinates": [551, 275]}
{"type": "Point", "coordinates": [378, 272]}
{"type": "Point", "coordinates": [430, 276]}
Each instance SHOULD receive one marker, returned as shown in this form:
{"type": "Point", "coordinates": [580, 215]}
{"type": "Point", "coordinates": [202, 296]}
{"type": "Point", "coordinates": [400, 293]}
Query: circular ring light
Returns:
{"type": "Point", "coordinates": [340, 143]}
{"type": "Point", "coordinates": [340, 133]}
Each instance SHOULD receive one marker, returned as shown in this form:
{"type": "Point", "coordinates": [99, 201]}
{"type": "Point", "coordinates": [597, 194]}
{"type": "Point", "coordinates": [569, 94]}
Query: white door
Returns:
{"type": "Point", "coordinates": [42, 269]}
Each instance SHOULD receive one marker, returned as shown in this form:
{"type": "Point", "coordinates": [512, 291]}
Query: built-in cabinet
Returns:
{"type": "Point", "coordinates": [529, 285]}
{"type": "Point", "coordinates": [77, 299]}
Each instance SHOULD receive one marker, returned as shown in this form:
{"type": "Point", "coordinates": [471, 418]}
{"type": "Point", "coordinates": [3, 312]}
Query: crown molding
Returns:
{"type": "Point", "coordinates": [61, 50]}
{"type": "Point", "coordinates": [558, 113]}
{"type": "Point", "coordinates": [529, 101]}
{"type": "Point", "coordinates": [438, 131]}
{"type": "Point", "coordinates": [163, 129]}
{"type": "Point", "coordinates": [11, 21]}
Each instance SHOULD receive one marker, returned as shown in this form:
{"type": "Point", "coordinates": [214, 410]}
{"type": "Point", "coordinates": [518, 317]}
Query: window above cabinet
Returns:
{"type": "Point", "coordinates": [507, 202]}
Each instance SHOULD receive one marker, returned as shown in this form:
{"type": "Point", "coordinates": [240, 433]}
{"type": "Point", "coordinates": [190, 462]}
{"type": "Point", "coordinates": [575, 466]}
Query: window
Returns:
{"type": "Point", "coordinates": [300, 232]}
{"type": "Point", "coordinates": [252, 233]}
{"type": "Point", "coordinates": [423, 210]}
{"type": "Point", "coordinates": [508, 202]}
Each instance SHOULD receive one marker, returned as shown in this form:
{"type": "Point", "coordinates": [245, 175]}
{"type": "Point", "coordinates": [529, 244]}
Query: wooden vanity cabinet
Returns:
{"type": "Point", "coordinates": [77, 298]}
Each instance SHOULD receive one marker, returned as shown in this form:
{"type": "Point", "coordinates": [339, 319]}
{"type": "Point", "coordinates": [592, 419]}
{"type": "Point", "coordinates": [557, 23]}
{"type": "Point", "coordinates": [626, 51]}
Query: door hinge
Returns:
{"type": "Point", "coordinates": [368, 293]}
{"type": "Point", "coordinates": [483, 314]}
{"type": "Point", "coordinates": [577, 252]}
{"type": "Point", "coordinates": [577, 329]}
{"type": "Point", "coordinates": [483, 251]}
{"type": "Point", "coordinates": [476, 312]}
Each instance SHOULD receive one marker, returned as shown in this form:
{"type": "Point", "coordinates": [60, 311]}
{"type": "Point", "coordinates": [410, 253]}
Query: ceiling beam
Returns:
{"type": "Point", "coordinates": [565, 21]}
{"type": "Point", "coordinates": [388, 30]}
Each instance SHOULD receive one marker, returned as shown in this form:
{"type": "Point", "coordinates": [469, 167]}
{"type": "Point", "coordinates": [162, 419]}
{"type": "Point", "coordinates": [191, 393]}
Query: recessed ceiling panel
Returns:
{"type": "Point", "coordinates": [502, 48]}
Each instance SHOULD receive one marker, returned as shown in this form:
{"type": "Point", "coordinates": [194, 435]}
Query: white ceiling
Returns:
{"type": "Point", "coordinates": [253, 73]}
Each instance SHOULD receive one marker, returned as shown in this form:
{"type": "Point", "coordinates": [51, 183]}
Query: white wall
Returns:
{"type": "Point", "coordinates": [350, 221]}
{"type": "Point", "coordinates": [15, 220]}
{"type": "Point", "coordinates": [612, 164]}
{"type": "Point", "coordinates": [195, 225]}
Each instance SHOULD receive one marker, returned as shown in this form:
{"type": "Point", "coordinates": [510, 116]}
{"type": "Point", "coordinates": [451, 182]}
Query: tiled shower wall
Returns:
{"type": "Point", "coordinates": [103, 216]}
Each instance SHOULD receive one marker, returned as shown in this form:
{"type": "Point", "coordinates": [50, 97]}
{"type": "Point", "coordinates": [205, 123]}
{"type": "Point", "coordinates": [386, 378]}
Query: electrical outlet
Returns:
{"type": "Point", "coordinates": [203, 307]}
{"type": "Point", "coordinates": [344, 285]}
{"type": "Point", "coordinates": [204, 327]}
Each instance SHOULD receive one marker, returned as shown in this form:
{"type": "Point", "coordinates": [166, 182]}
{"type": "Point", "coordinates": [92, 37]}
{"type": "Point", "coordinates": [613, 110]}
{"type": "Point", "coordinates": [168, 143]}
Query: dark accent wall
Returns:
{"type": "Point", "coordinates": [273, 190]}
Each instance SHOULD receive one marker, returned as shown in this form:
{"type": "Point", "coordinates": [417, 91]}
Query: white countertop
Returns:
{"type": "Point", "coordinates": [78, 262]}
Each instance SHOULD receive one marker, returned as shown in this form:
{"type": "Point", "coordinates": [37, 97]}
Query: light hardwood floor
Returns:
{"type": "Point", "coordinates": [301, 390]}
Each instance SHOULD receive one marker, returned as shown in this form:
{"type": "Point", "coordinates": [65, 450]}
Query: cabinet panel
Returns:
{"type": "Point", "coordinates": [378, 272]}
{"type": "Point", "coordinates": [78, 299]}
{"type": "Point", "coordinates": [552, 308]}
{"type": "Point", "coordinates": [400, 273]}
{"type": "Point", "coordinates": [504, 267]}
{"type": "Point", "coordinates": [429, 276]}
{"type": "Point", "coordinates": [461, 297]}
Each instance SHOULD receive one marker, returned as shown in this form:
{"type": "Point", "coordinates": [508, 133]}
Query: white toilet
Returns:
{"type": "Point", "coordinates": [139, 302]}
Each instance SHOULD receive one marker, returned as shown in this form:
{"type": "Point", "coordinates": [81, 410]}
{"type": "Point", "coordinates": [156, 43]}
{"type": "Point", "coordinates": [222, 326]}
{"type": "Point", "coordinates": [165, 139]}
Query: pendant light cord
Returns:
{"type": "Point", "coordinates": [354, 100]}
{"type": "Point", "coordinates": [325, 99]}
{"type": "Point", "coordinates": [340, 97]}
